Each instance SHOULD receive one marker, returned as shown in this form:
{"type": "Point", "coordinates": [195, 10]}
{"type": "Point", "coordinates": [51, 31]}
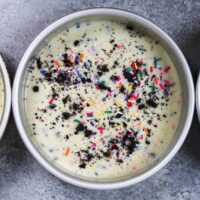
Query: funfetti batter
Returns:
{"type": "Point", "coordinates": [103, 100]}
{"type": "Point", "coordinates": [2, 95]}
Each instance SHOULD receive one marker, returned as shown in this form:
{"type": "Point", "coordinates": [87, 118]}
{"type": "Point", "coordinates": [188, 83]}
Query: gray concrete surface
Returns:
{"type": "Point", "coordinates": [21, 177]}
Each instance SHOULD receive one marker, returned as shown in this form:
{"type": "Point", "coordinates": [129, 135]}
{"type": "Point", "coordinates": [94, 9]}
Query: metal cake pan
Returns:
{"type": "Point", "coordinates": [178, 60]}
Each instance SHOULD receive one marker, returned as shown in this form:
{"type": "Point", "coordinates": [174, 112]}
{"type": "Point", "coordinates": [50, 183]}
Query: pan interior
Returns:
{"type": "Point", "coordinates": [35, 81]}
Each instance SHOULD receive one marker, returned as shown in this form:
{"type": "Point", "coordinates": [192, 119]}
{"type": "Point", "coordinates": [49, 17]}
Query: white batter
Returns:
{"type": "Point", "coordinates": [103, 100]}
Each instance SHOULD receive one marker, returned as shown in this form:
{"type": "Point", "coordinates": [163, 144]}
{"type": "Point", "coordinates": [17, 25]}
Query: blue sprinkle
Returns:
{"type": "Point", "coordinates": [104, 99]}
{"type": "Point", "coordinates": [127, 97]}
{"type": "Point", "coordinates": [76, 58]}
{"type": "Point", "coordinates": [52, 105]}
{"type": "Point", "coordinates": [94, 133]}
{"type": "Point", "coordinates": [79, 74]}
{"type": "Point", "coordinates": [155, 62]}
{"type": "Point", "coordinates": [91, 123]}
{"type": "Point", "coordinates": [42, 71]}
{"type": "Point", "coordinates": [77, 25]}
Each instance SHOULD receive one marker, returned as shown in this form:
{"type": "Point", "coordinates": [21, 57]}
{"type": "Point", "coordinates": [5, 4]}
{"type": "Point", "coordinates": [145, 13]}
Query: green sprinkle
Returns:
{"type": "Point", "coordinates": [145, 112]}
{"type": "Point", "coordinates": [152, 86]}
{"type": "Point", "coordinates": [129, 69]}
{"type": "Point", "coordinates": [102, 82]}
{"type": "Point", "coordinates": [108, 112]}
{"type": "Point", "coordinates": [142, 49]}
{"type": "Point", "coordinates": [77, 121]}
{"type": "Point", "coordinates": [141, 74]}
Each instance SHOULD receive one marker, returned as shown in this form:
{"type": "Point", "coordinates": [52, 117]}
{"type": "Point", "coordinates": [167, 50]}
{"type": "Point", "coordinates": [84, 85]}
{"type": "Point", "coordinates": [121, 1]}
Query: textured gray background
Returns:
{"type": "Point", "coordinates": [21, 177]}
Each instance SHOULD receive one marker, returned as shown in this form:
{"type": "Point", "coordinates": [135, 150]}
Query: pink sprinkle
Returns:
{"type": "Point", "coordinates": [89, 113]}
{"type": "Point", "coordinates": [118, 78]}
{"type": "Point", "coordinates": [161, 86]}
{"type": "Point", "coordinates": [100, 130]}
{"type": "Point", "coordinates": [134, 168]}
{"type": "Point", "coordinates": [120, 133]}
{"type": "Point", "coordinates": [131, 134]}
{"type": "Point", "coordinates": [51, 100]}
{"type": "Point", "coordinates": [113, 145]}
{"type": "Point", "coordinates": [141, 137]}
{"type": "Point", "coordinates": [90, 50]}
{"type": "Point", "coordinates": [139, 69]}
{"type": "Point", "coordinates": [100, 58]}
{"type": "Point", "coordinates": [110, 94]}
{"type": "Point", "coordinates": [156, 81]}
{"type": "Point", "coordinates": [168, 82]}
{"type": "Point", "coordinates": [134, 96]}
{"type": "Point", "coordinates": [57, 68]}
{"type": "Point", "coordinates": [94, 145]}
{"type": "Point", "coordinates": [166, 69]}
{"type": "Point", "coordinates": [173, 126]}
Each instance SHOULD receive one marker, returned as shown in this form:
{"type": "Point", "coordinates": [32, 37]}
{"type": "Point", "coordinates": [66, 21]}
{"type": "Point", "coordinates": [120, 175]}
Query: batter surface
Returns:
{"type": "Point", "coordinates": [103, 100]}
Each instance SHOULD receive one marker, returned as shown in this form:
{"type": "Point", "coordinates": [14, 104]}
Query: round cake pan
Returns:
{"type": "Point", "coordinates": [177, 58]}
{"type": "Point", "coordinates": [198, 96]}
{"type": "Point", "coordinates": [7, 97]}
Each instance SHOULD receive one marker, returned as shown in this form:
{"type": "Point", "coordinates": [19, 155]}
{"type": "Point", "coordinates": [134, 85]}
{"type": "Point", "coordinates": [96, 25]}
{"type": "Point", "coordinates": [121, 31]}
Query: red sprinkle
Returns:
{"type": "Point", "coordinates": [161, 86]}
{"type": "Point", "coordinates": [133, 65]}
{"type": "Point", "coordinates": [151, 69]}
{"type": "Point", "coordinates": [129, 104]}
{"type": "Point", "coordinates": [100, 129]}
{"type": "Point", "coordinates": [166, 69]}
{"type": "Point", "coordinates": [168, 82]}
{"type": "Point", "coordinates": [51, 100]}
{"type": "Point", "coordinates": [140, 63]}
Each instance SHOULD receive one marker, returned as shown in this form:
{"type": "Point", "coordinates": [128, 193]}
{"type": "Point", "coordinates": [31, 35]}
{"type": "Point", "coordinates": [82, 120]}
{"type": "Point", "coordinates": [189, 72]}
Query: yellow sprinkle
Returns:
{"type": "Point", "coordinates": [139, 123]}
{"type": "Point", "coordinates": [129, 88]}
{"type": "Point", "coordinates": [104, 103]}
{"type": "Point", "coordinates": [121, 125]}
{"type": "Point", "coordinates": [132, 115]}
{"type": "Point", "coordinates": [100, 112]}
{"type": "Point", "coordinates": [92, 103]}
{"type": "Point", "coordinates": [117, 103]}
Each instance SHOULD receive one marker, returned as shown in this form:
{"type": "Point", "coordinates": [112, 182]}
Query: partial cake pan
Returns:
{"type": "Point", "coordinates": [198, 96]}
{"type": "Point", "coordinates": [177, 58]}
{"type": "Point", "coordinates": [7, 97]}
